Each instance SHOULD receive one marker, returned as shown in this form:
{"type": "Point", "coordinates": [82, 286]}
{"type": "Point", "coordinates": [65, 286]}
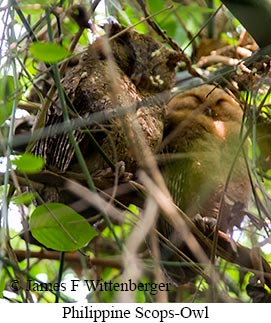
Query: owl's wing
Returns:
{"type": "Point", "coordinates": [85, 87]}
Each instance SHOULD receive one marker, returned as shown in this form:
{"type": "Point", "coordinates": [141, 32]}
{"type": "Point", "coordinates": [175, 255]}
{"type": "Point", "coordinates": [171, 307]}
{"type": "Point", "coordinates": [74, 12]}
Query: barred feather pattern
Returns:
{"type": "Point", "coordinates": [130, 73]}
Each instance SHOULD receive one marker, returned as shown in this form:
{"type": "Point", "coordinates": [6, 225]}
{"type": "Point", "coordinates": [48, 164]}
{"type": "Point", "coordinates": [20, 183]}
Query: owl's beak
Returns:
{"type": "Point", "coordinates": [220, 129]}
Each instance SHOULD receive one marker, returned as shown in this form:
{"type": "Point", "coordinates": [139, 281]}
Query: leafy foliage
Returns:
{"type": "Point", "coordinates": [6, 97]}
{"type": "Point", "coordinates": [59, 227]}
{"type": "Point", "coordinates": [28, 163]}
{"type": "Point", "coordinates": [48, 52]}
{"type": "Point", "coordinates": [213, 43]}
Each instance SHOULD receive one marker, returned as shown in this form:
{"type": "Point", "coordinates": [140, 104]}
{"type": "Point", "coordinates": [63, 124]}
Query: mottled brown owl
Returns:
{"type": "Point", "coordinates": [123, 72]}
{"type": "Point", "coordinates": [207, 175]}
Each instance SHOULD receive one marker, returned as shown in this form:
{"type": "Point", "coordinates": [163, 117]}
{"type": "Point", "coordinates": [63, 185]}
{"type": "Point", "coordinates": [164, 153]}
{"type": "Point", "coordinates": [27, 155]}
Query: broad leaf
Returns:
{"type": "Point", "coordinates": [28, 163]}
{"type": "Point", "coordinates": [24, 198]}
{"type": "Point", "coordinates": [6, 97]}
{"type": "Point", "coordinates": [59, 227]}
{"type": "Point", "coordinates": [48, 52]}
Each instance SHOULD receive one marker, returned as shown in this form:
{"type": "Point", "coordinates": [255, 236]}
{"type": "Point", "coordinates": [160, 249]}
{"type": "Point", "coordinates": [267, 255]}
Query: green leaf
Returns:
{"type": "Point", "coordinates": [6, 97]}
{"type": "Point", "coordinates": [28, 163]}
{"type": "Point", "coordinates": [59, 227]}
{"type": "Point", "coordinates": [134, 209]}
{"type": "Point", "coordinates": [48, 52]}
{"type": "Point", "coordinates": [24, 198]}
{"type": "Point", "coordinates": [3, 281]}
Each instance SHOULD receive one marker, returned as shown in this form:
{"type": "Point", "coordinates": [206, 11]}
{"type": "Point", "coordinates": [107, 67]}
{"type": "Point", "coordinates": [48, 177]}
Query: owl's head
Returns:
{"type": "Point", "coordinates": [202, 113]}
{"type": "Point", "coordinates": [149, 64]}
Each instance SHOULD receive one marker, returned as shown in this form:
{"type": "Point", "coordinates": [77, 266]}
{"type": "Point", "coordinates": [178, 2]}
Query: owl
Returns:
{"type": "Point", "coordinates": [205, 171]}
{"type": "Point", "coordinates": [125, 75]}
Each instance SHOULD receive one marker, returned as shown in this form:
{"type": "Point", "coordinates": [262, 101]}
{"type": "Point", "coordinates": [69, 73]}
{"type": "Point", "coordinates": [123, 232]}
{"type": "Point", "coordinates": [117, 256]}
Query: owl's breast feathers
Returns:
{"type": "Point", "coordinates": [203, 128]}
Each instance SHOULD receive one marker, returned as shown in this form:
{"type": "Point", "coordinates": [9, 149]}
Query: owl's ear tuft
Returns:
{"type": "Point", "coordinates": [173, 59]}
{"type": "Point", "coordinates": [112, 27]}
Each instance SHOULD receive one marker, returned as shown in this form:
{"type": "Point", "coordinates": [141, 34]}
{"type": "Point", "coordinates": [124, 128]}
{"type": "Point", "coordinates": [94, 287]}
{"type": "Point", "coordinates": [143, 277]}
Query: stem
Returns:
{"type": "Point", "coordinates": [8, 152]}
